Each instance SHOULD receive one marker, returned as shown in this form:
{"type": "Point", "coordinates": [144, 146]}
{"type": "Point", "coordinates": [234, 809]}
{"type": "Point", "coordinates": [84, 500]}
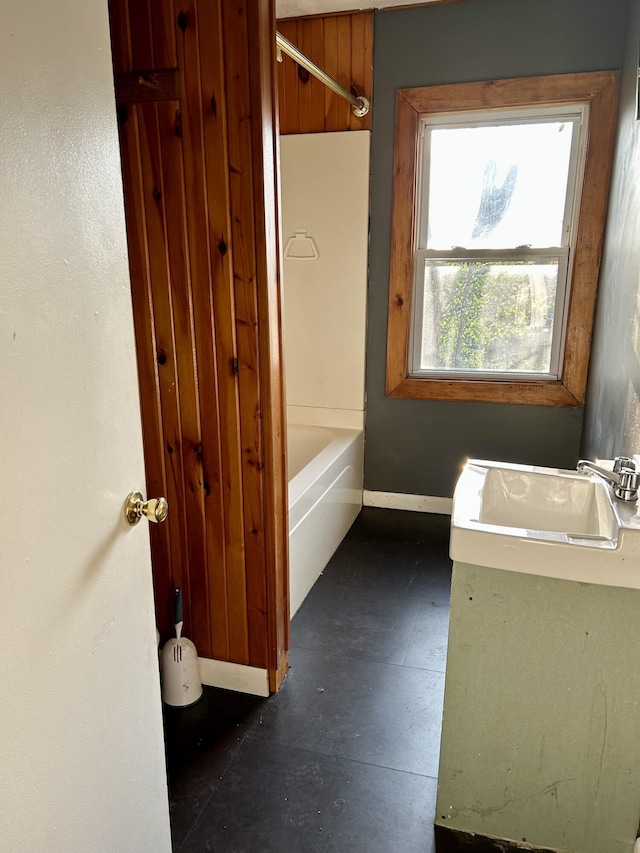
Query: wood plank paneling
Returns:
{"type": "Point", "coordinates": [165, 538]}
{"type": "Point", "coordinates": [136, 88]}
{"type": "Point", "coordinates": [266, 174]}
{"type": "Point", "coordinates": [160, 277]}
{"type": "Point", "coordinates": [206, 293]}
{"type": "Point", "coordinates": [305, 84]}
{"type": "Point", "coordinates": [225, 498]}
{"type": "Point", "coordinates": [288, 81]}
{"type": "Point", "coordinates": [342, 45]}
{"type": "Point", "coordinates": [316, 88]}
{"type": "Point", "coordinates": [330, 65]}
{"type": "Point", "coordinates": [168, 546]}
{"type": "Point", "coordinates": [191, 318]}
{"type": "Point", "coordinates": [244, 274]}
{"type": "Point", "coordinates": [345, 48]}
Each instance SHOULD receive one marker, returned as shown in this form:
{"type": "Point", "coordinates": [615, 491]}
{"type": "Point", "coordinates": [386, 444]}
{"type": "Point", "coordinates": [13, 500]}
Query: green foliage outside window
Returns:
{"type": "Point", "coordinates": [489, 316]}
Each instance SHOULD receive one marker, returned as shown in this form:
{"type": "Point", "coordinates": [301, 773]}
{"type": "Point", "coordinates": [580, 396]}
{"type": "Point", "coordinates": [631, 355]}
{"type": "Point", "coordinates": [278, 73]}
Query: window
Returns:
{"type": "Point", "coordinates": [500, 194]}
{"type": "Point", "coordinates": [495, 221]}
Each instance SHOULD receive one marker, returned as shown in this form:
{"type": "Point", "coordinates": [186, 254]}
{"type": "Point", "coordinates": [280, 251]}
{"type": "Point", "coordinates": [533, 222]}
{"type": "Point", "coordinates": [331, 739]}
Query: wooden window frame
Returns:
{"type": "Point", "coordinates": [597, 90]}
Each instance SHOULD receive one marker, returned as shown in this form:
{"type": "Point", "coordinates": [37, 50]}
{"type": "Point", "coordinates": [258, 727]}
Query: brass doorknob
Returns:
{"type": "Point", "coordinates": [155, 509]}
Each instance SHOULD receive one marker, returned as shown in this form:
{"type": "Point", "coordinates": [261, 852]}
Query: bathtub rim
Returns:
{"type": "Point", "coordinates": [313, 470]}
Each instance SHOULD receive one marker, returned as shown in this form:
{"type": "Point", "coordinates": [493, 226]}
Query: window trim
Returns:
{"type": "Point", "coordinates": [596, 90]}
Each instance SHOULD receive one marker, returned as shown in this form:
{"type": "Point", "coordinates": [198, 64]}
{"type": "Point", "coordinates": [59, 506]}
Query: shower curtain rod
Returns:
{"type": "Point", "coordinates": [359, 105]}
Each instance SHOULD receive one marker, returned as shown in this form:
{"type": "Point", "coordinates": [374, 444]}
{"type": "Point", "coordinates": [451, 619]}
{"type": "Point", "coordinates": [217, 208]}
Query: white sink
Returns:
{"type": "Point", "coordinates": [545, 521]}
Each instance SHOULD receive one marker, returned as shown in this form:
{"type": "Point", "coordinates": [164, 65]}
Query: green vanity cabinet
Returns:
{"type": "Point", "coordinates": [541, 730]}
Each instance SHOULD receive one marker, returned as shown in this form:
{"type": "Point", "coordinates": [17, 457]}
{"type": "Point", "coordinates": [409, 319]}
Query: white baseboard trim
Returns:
{"type": "Point", "coordinates": [413, 503]}
{"type": "Point", "coordinates": [234, 676]}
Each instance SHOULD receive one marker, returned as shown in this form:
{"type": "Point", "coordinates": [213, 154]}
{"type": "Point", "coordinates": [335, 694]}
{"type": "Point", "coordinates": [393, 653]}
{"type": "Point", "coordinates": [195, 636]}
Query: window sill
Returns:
{"type": "Point", "coordinates": [543, 393]}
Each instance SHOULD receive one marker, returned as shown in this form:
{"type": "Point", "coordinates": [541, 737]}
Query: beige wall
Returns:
{"type": "Point", "coordinates": [325, 190]}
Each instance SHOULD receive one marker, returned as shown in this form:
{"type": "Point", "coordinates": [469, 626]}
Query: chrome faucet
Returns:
{"type": "Point", "coordinates": [624, 478]}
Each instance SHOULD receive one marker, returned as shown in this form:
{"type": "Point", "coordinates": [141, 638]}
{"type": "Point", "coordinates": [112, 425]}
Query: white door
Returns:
{"type": "Point", "coordinates": [81, 749]}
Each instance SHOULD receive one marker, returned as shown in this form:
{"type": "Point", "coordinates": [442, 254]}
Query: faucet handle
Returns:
{"type": "Point", "coordinates": [623, 463]}
{"type": "Point", "coordinates": [627, 486]}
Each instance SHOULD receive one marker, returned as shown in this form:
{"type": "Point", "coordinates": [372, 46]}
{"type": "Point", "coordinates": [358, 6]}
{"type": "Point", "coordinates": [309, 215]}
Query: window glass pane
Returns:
{"type": "Point", "coordinates": [488, 316]}
{"type": "Point", "coordinates": [498, 187]}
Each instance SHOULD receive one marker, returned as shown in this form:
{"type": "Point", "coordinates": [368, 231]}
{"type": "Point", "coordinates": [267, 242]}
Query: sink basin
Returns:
{"type": "Point", "coordinates": [545, 521]}
{"type": "Point", "coordinates": [560, 502]}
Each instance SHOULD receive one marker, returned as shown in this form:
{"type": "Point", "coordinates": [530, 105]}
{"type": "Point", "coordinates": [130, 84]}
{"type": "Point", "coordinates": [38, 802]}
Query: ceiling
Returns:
{"type": "Point", "coordinates": [297, 8]}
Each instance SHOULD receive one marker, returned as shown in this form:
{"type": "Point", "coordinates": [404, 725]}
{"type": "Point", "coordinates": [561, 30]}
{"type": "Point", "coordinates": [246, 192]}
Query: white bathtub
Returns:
{"type": "Point", "coordinates": [325, 496]}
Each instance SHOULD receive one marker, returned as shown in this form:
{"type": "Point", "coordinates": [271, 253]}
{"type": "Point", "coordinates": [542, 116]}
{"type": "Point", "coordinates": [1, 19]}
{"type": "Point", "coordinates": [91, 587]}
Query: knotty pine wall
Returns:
{"type": "Point", "coordinates": [342, 45]}
{"type": "Point", "coordinates": [199, 166]}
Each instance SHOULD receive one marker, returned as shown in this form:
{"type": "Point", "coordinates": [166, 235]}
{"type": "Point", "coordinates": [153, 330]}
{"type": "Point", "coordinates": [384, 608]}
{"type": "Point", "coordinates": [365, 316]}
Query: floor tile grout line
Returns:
{"type": "Point", "coordinates": [181, 848]}
{"type": "Point", "coordinates": [369, 660]}
{"type": "Point", "coordinates": [276, 742]}
{"type": "Point", "coordinates": [416, 597]}
{"type": "Point", "coordinates": [409, 638]}
{"type": "Point", "coordinates": [414, 594]}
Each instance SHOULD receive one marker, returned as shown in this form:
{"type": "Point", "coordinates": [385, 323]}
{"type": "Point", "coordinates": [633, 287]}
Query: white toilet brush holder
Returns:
{"type": "Point", "coordinates": [181, 684]}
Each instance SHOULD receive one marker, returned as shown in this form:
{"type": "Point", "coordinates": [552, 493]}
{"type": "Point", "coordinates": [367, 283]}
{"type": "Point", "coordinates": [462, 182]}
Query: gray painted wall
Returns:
{"type": "Point", "coordinates": [612, 415]}
{"type": "Point", "coordinates": [418, 446]}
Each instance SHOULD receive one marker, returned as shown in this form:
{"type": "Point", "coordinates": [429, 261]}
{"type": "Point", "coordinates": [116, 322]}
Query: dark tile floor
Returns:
{"type": "Point", "coordinates": [344, 757]}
